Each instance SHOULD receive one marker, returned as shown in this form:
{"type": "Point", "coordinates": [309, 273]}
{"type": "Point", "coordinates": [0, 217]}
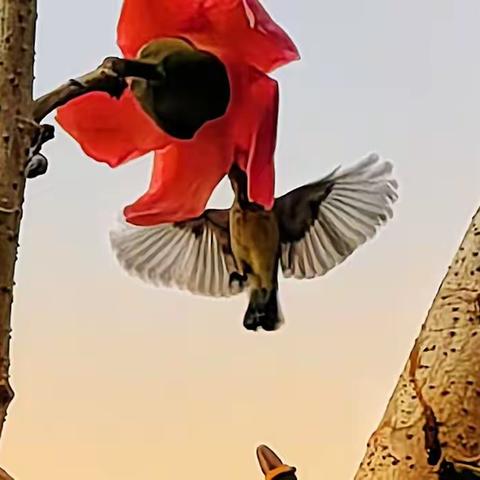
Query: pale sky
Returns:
{"type": "Point", "coordinates": [116, 380]}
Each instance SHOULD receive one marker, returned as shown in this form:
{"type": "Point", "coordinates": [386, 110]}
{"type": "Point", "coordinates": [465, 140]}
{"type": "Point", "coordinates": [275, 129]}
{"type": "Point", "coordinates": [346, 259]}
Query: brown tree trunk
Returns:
{"type": "Point", "coordinates": [431, 429]}
{"type": "Point", "coordinates": [17, 34]}
{"type": "Point", "coordinates": [4, 475]}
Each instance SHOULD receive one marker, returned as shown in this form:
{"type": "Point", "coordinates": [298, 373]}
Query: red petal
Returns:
{"type": "Point", "coordinates": [109, 130]}
{"type": "Point", "coordinates": [184, 176]}
{"type": "Point", "coordinates": [257, 135]}
{"type": "Point", "coordinates": [275, 47]}
{"type": "Point", "coordinates": [238, 29]}
{"type": "Point", "coordinates": [186, 172]}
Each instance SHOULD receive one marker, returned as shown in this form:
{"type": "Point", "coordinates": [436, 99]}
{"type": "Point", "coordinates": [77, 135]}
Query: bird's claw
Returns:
{"type": "Point", "coordinates": [237, 281]}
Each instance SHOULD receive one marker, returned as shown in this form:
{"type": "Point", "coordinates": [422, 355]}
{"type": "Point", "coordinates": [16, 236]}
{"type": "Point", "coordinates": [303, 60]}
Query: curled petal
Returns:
{"type": "Point", "coordinates": [276, 48]}
{"type": "Point", "coordinates": [109, 130]}
{"type": "Point", "coordinates": [184, 176]}
{"type": "Point", "coordinates": [241, 30]}
{"type": "Point", "coordinates": [257, 135]}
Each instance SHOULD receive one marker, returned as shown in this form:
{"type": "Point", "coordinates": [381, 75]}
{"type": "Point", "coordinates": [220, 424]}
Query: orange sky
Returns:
{"type": "Point", "coordinates": [115, 380]}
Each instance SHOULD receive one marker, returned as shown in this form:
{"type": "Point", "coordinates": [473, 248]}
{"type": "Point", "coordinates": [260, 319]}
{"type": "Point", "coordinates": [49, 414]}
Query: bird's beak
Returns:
{"type": "Point", "coordinates": [271, 465]}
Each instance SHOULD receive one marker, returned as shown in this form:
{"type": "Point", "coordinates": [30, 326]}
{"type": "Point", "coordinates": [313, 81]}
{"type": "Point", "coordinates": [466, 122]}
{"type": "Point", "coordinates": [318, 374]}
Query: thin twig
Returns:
{"type": "Point", "coordinates": [109, 77]}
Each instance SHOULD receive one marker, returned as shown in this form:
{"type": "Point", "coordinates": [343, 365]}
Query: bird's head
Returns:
{"type": "Point", "coordinates": [272, 467]}
{"type": "Point", "coordinates": [193, 87]}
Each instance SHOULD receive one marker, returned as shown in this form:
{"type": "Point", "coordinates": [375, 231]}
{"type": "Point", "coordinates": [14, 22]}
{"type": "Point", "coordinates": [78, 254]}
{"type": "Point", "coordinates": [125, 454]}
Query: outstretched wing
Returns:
{"type": "Point", "coordinates": [322, 223]}
{"type": "Point", "coordinates": [193, 255]}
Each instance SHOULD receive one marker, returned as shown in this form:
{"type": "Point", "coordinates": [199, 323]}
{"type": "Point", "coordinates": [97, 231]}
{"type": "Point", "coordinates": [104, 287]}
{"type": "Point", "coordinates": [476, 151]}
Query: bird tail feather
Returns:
{"type": "Point", "coordinates": [263, 311]}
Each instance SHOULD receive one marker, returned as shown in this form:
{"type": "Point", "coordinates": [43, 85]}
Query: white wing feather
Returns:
{"type": "Point", "coordinates": [359, 202]}
{"type": "Point", "coordinates": [171, 256]}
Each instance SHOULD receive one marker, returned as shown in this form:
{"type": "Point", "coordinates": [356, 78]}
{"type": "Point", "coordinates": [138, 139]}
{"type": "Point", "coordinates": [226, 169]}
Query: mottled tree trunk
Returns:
{"type": "Point", "coordinates": [4, 475]}
{"type": "Point", "coordinates": [17, 33]}
{"type": "Point", "coordinates": [431, 429]}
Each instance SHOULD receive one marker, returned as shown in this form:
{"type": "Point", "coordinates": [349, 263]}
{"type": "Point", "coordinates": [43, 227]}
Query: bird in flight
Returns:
{"type": "Point", "coordinates": [221, 253]}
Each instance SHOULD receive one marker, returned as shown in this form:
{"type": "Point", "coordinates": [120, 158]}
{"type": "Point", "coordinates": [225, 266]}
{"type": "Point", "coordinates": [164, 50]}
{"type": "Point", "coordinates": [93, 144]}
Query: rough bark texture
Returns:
{"type": "Point", "coordinates": [4, 475]}
{"type": "Point", "coordinates": [431, 429]}
{"type": "Point", "coordinates": [17, 33]}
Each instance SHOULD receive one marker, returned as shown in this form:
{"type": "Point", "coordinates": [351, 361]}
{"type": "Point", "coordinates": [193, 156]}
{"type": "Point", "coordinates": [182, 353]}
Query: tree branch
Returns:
{"type": "Point", "coordinates": [431, 428]}
{"type": "Point", "coordinates": [109, 77]}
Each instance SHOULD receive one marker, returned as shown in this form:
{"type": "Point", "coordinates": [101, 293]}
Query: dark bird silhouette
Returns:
{"type": "Point", "coordinates": [182, 87]}
{"type": "Point", "coordinates": [308, 232]}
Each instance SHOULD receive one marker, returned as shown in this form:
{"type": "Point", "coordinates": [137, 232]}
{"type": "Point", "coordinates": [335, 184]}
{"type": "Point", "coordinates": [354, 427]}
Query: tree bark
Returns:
{"type": "Point", "coordinates": [17, 36]}
{"type": "Point", "coordinates": [431, 428]}
{"type": "Point", "coordinates": [4, 475]}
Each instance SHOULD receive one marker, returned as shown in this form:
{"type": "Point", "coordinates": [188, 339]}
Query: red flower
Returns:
{"type": "Point", "coordinates": [250, 44]}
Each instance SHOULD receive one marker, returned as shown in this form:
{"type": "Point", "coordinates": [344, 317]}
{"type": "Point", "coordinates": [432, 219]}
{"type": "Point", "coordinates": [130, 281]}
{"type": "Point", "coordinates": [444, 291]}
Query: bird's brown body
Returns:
{"type": "Point", "coordinates": [309, 231]}
{"type": "Point", "coordinates": [255, 243]}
